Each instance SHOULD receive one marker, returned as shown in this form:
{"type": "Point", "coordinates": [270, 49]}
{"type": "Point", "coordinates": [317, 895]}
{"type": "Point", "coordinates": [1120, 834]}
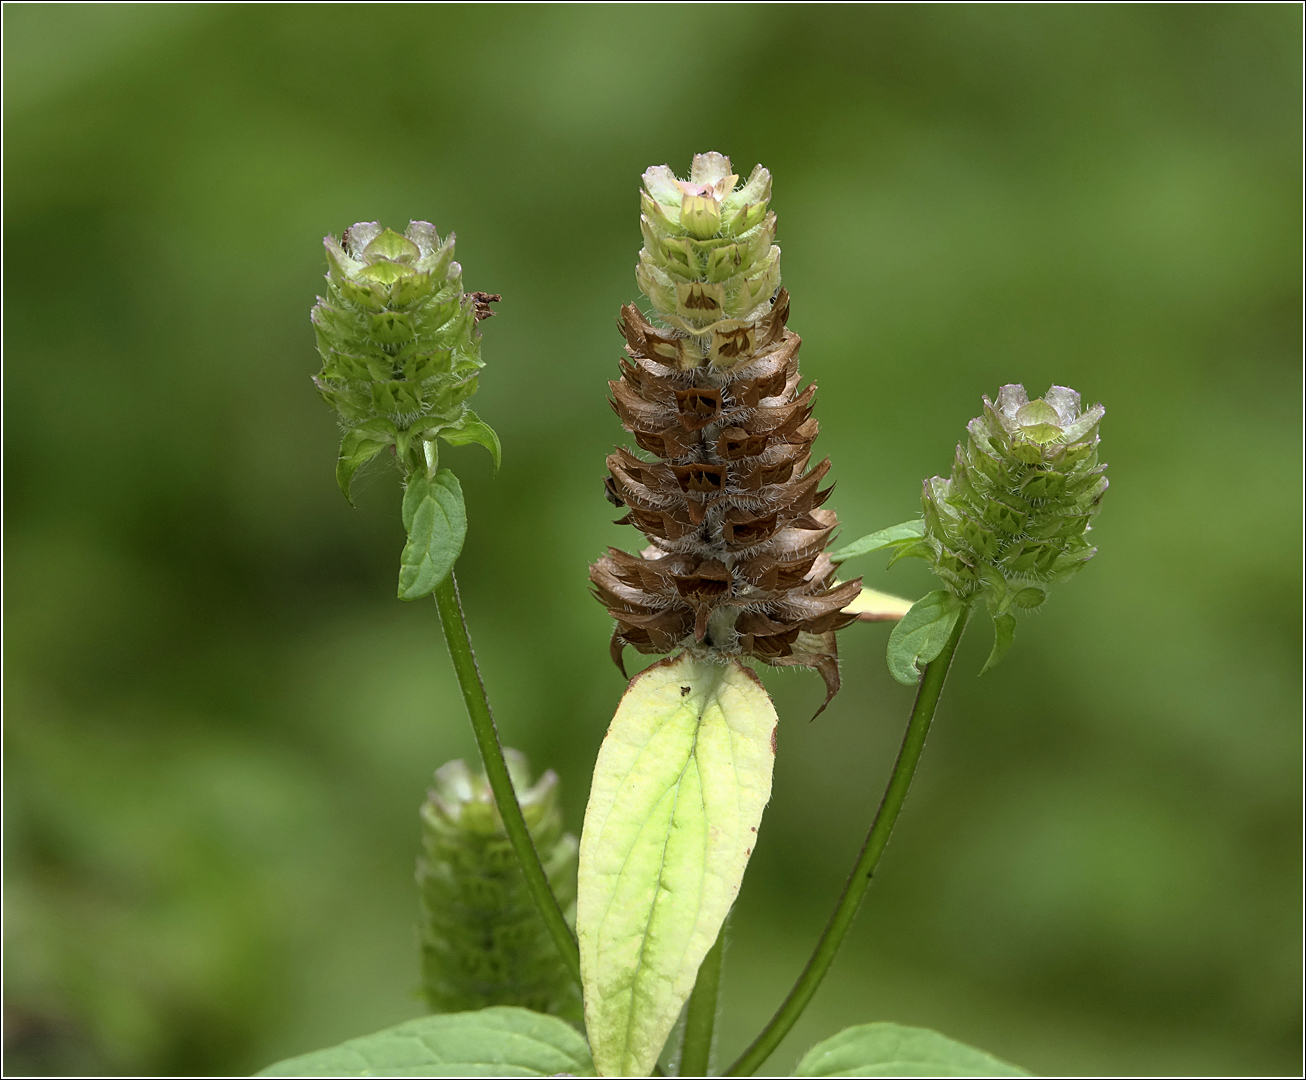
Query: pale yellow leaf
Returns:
{"type": "Point", "coordinates": [677, 796]}
{"type": "Point", "coordinates": [874, 606]}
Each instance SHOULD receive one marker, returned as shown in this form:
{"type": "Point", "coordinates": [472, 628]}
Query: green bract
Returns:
{"type": "Point", "coordinates": [483, 941]}
{"type": "Point", "coordinates": [400, 347]}
{"type": "Point", "coordinates": [709, 263]}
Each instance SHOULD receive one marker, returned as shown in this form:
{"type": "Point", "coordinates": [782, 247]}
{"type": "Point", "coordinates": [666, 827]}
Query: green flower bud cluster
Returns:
{"type": "Point", "coordinates": [709, 262]}
{"type": "Point", "coordinates": [1012, 519]}
{"type": "Point", "coordinates": [483, 941]}
{"type": "Point", "coordinates": [399, 345]}
{"type": "Point", "coordinates": [1014, 515]}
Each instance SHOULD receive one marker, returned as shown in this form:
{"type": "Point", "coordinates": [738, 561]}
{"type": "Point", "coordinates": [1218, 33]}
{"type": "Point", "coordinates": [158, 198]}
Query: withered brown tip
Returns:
{"type": "Point", "coordinates": [483, 300]}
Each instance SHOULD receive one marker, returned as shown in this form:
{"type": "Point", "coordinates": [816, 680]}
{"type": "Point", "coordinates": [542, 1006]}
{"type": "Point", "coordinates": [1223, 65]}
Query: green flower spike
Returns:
{"type": "Point", "coordinates": [483, 941]}
{"type": "Point", "coordinates": [1015, 513]}
{"type": "Point", "coordinates": [1011, 520]}
{"type": "Point", "coordinates": [400, 356]}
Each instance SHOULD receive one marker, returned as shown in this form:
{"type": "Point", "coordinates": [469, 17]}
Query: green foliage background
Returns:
{"type": "Point", "coordinates": [220, 724]}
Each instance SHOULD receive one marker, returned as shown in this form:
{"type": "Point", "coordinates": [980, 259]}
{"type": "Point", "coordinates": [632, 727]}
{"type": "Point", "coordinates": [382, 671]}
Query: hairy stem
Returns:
{"type": "Point", "coordinates": [496, 770]}
{"type": "Point", "coordinates": [927, 700]}
{"type": "Point", "coordinates": [701, 1016]}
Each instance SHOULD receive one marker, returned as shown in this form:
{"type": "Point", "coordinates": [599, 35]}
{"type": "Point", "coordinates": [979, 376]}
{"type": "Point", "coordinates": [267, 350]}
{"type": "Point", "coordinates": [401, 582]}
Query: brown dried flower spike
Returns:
{"type": "Point", "coordinates": [725, 491]}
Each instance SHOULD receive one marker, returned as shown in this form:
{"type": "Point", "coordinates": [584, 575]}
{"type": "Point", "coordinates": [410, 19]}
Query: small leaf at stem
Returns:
{"type": "Point", "coordinates": [359, 446]}
{"type": "Point", "coordinates": [675, 803]}
{"type": "Point", "coordinates": [436, 521]}
{"type": "Point", "coordinates": [499, 1041]}
{"type": "Point", "coordinates": [906, 533]}
{"type": "Point", "coordinates": [909, 549]}
{"type": "Point", "coordinates": [921, 634]}
{"type": "Point", "coordinates": [1004, 632]}
{"type": "Point", "coordinates": [894, 1050]}
{"type": "Point", "coordinates": [472, 429]}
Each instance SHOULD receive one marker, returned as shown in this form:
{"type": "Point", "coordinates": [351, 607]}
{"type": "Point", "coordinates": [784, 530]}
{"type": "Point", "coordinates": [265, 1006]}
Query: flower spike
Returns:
{"type": "Point", "coordinates": [725, 491]}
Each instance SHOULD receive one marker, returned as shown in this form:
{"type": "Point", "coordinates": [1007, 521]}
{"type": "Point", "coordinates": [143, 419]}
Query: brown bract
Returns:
{"type": "Point", "coordinates": [730, 502]}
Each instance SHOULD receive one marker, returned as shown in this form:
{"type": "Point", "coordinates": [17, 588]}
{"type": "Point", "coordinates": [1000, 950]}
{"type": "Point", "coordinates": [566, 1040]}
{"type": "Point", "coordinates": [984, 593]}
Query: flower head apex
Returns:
{"type": "Point", "coordinates": [1050, 421]}
{"type": "Point", "coordinates": [709, 262]}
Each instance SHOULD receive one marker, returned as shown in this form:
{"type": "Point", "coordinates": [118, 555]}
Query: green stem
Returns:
{"type": "Point", "coordinates": [700, 1018]}
{"type": "Point", "coordinates": [927, 700]}
{"type": "Point", "coordinates": [496, 769]}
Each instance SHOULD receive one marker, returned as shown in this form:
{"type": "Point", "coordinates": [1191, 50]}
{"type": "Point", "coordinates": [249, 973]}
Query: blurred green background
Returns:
{"type": "Point", "coordinates": [220, 723]}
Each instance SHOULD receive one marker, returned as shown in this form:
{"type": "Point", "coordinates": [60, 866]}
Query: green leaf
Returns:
{"type": "Point", "coordinates": [910, 549]}
{"type": "Point", "coordinates": [359, 446]}
{"type": "Point", "coordinates": [437, 524]}
{"type": "Point", "coordinates": [894, 1050]}
{"type": "Point", "coordinates": [1004, 633]}
{"type": "Point", "coordinates": [499, 1041]}
{"type": "Point", "coordinates": [472, 429]}
{"type": "Point", "coordinates": [906, 533]}
{"type": "Point", "coordinates": [675, 803]}
{"type": "Point", "coordinates": [921, 634]}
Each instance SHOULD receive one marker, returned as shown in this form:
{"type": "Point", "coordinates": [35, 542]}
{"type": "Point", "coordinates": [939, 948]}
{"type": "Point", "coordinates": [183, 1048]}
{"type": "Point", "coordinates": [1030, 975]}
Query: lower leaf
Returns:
{"type": "Point", "coordinates": [894, 1050]}
{"type": "Point", "coordinates": [500, 1041]}
{"type": "Point", "coordinates": [677, 796]}
{"type": "Point", "coordinates": [437, 525]}
{"type": "Point", "coordinates": [921, 634]}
